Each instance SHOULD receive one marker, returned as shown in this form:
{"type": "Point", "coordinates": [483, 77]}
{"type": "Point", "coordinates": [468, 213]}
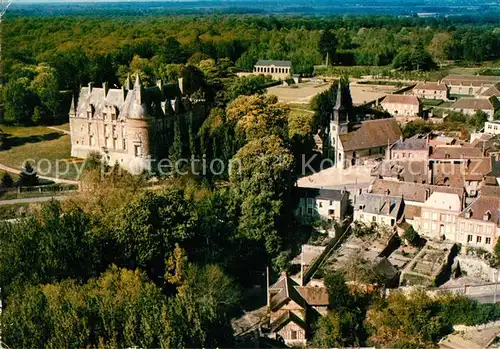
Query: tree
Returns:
{"type": "Point", "coordinates": [338, 292]}
{"type": "Point", "coordinates": [262, 180]}
{"type": "Point", "coordinates": [248, 85]}
{"type": "Point", "coordinates": [409, 59]}
{"type": "Point", "coordinates": [7, 180]}
{"type": "Point", "coordinates": [46, 86]}
{"type": "Point", "coordinates": [337, 329]}
{"type": "Point", "coordinates": [148, 228]}
{"type": "Point", "coordinates": [410, 321]}
{"type": "Point", "coordinates": [258, 116]}
{"type": "Point", "coordinates": [411, 236]}
{"type": "Point", "coordinates": [28, 176]}
{"type": "Point", "coordinates": [478, 120]}
{"type": "Point", "coordinates": [328, 45]}
{"type": "Point", "coordinates": [19, 102]}
{"type": "Point", "coordinates": [440, 46]}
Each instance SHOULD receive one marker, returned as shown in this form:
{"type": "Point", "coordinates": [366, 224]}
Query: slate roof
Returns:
{"type": "Point", "coordinates": [265, 62]}
{"type": "Point", "coordinates": [431, 86]}
{"type": "Point", "coordinates": [372, 134]}
{"type": "Point", "coordinates": [286, 289]}
{"type": "Point", "coordinates": [412, 143]}
{"type": "Point", "coordinates": [470, 80]}
{"type": "Point", "coordinates": [320, 193]}
{"type": "Point", "coordinates": [379, 204]}
{"type": "Point", "coordinates": [128, 102]}
{"type": "Point", "coordinates": [481, 206]}
{"type": "Point", "coordinates": [401, 99]}
{"type": "Point", "coordinates": [407, 171]}
{"type": "Point", "coordinates": [490, 103]}
{"type": "Point", "coordinates": [285, 318]}
{"type": "Point", "coordinates": [384, 270]}
{"type": "Point", "coordinates": [411, 191]}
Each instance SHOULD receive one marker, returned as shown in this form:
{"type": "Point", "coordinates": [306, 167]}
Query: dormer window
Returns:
{"type": "Point", "coordinates": [487, 216]}
{"type": "Point", "coordinates": [468, 214]}
{"type": "Point", "coordinates": [90, 112]}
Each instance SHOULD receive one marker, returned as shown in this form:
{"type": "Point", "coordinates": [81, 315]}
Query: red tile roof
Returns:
{"type": "Point", "coordinates": [477, 103]}
{"type": "Point", "coordinates": [372, 134]}
{"type": "Point", "coordinates": [453, 152]}
{"type": "Point", "coordinates": [401, 99]}
{"type": "Point", "coordinates": [431, 86]}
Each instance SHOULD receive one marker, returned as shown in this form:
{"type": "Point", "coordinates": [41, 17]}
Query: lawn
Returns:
{"type": "Point", "coordinates": [432, 102]}
{"type": "Point", "coordinates": [64, 127]}
{"type": "Point", "coordinates": [41, 145]}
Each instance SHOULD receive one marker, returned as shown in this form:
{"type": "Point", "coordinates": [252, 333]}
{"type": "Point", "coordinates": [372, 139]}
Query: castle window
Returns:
{"type": "Point", "coordinates": [488, 241]}
{"type": "Point", "coordinates": [114, 131]}
{"type": "Point", "coordinates": [137, 150]}
{"type": "Point", "coordinates": [91, 140]}
{"type": "Point", "coordinates": [124, 143]}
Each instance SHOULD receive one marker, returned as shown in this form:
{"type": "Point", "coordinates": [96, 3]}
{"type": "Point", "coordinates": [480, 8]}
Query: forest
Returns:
{"type": "Point", "coordinates": [121, 265]}
{"type": "Point", "coordinates": [44, 55]}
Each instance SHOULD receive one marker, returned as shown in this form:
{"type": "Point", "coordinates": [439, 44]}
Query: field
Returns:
{"type": "Point", "coordinates": [299, 94]}
{"type": "Point", "coordinates": [42, 146]}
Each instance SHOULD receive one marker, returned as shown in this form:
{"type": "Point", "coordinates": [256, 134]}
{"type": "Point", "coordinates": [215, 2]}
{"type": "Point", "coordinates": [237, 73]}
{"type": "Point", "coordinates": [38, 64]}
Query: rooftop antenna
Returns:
{"type": "Point", "coordinates": [4, 5]}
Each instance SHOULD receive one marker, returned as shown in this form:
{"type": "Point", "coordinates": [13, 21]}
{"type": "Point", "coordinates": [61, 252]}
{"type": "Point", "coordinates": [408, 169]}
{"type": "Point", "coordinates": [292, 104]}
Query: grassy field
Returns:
{"type": "Point", "coordinates": [64, 127]}
{"type": "Point", "coordinates": [41, 144]}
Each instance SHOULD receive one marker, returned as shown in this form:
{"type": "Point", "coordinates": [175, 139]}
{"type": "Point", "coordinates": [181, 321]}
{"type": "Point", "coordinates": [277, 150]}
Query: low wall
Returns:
{"type": "Point", "coordinates": [463, 328]}
{"type": "Point", "coordinates": [476, 268]}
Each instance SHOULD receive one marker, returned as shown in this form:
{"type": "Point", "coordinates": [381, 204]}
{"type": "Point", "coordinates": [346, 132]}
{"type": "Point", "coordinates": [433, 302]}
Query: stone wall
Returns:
{"type": "Point", "coordinates": [476, 268]}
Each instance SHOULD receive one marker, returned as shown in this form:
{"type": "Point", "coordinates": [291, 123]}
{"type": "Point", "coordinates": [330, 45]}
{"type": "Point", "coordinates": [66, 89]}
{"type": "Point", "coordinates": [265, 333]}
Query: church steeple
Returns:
{"type": "Point", "coordinates": [339, 105]}
{"type": "Point", "coordinates": [340, 110]}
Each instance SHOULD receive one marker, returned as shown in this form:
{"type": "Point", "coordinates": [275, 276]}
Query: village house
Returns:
{"type": "Point", "coordinates": [493, 91]}
{"type": "Point", "coordinates": [293, 308]}
{"type": "Point", "coordinates": [415, 196]}
{"type": "Point", "coordinates": [492, 127]}
{"type": "Point", "coordinates": [431, 90]}
{"type": "Point", "coordinates": [470, 85]}
{"type": "Point", "coordinates": [328, 204]}
{"type": "Point", "coordinates": [131, 126]}
{"type": "Point", "coordinates": [381, 209]}
{"type": "Point", "coordinates": [402, 105]}
{"type": "Point", "coordinates": [279, 70]}
{"type": "Point", "coordinates": [438, 216]}
{"type": "Point", "coordinates": [478, 224]}
{"type": "Point", "coordinates": [415, 148]}
{"type": "Point", "coordinates": [469, 106]}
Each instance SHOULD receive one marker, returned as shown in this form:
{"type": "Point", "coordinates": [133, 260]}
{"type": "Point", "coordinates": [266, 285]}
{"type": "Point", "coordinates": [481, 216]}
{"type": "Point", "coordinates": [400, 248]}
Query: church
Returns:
{"type": "Point", "coordinates": [349, 142]}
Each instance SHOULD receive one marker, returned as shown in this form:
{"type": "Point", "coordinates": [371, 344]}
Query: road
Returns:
{"type": "Point", "coordinates": [53, 179]}
{"type": "Point", "coordinates": [31, 200]}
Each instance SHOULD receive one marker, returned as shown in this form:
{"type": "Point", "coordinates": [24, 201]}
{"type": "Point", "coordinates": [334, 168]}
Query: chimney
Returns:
{"type": "Point", "coordinates": [138, 89]}
{"type": "Point", "coordinates": [181, 85]}
{"type": "Point", "coordinates": [90, 87]}
{"type": "Point", "coordinates": [105, 88]}
{"type": "Point", "coordinates": [429, 174]}
{"type": "Point", "coordinates": [124, 94]}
